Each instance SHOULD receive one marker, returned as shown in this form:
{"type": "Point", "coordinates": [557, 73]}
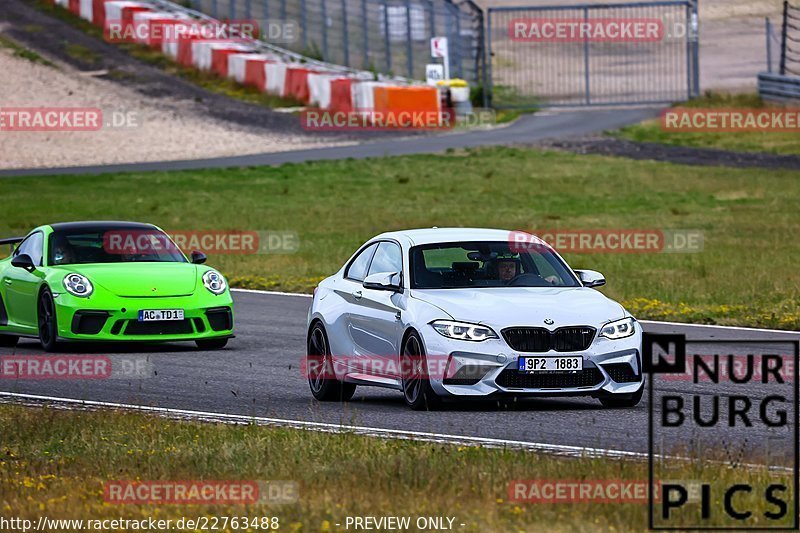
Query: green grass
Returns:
{"type": "Point", "coordinates": [25, 53]}
{"type": "Point", "coordinates": [56, 464]}
{"type": "Point", "coordinates": [746, 275]}
{"type": "Point", "coordinates": [82, 54]}
{"type": "Point", "coordinates": [769, 142]}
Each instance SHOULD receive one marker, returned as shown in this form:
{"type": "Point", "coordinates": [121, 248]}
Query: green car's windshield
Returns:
{"type": "Point", "coordinates": [111, 245]}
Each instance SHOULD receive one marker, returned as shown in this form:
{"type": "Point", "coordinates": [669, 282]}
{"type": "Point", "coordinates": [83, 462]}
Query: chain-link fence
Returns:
{"type": "Point", "coordinates": [790, 41]}
{"type": "Point", "coordinates": [385, 36]}
{"type": "Point", "coordinates": [593, 54]}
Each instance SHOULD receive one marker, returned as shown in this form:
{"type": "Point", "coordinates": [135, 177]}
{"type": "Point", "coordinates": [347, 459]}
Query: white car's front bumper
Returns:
{"type": "Point", "coordinates": [464, 368]}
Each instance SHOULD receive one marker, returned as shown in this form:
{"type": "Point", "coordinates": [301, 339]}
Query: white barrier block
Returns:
{"type": "Point", "coordinates": [202, 56]}
{"type": "Point", "coordinates": [363, 95]}
{"type": "Point", "coordinates": [114, 9]}
{"type": "Point", "coordinates": [141, 24]}
{"type": "Point", "coordinates": [237, 64]}
{"type": "Point", "coordinates": [276, 77]}
{"type": "Point", "coordinates": [86, 9]}
{"type": "Point", "coordinates": [170, 48]}
{"type": "Point", "coordinates": [319, 89]}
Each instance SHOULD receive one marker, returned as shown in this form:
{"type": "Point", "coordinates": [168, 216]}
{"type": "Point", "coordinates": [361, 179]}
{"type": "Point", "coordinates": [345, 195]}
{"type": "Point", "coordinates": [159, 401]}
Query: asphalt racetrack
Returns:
{"type": "Point", "coordinates": [259, 374]}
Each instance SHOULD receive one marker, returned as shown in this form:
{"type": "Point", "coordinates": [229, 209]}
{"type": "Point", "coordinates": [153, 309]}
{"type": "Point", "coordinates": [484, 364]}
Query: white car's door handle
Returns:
{"type": "Point", "coordinates": [8, 281]}
{"type": "Point", "coordinates": [357, 295]}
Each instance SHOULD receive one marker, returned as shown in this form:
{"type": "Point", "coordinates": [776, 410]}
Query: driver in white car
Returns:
{"type": "Point", "coordinates": [508, 269]}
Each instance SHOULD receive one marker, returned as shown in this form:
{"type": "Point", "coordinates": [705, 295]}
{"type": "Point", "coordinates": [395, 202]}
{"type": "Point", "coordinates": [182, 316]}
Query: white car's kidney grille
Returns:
{"type": "Point", "coordinates": [568, 339]}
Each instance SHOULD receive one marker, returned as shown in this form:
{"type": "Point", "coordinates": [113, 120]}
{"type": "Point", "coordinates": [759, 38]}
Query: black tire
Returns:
{"type": "Point", "coordinates": [48, 324]}
{"type": "Point", "coordinates": [319, 369]}
{"type": "Point", "coordinates": [417, 391]}
{"type": "Point", "coordinates": [211, 344]}
{"type": "Point", "coordinates": [621, 403]}
{"type": "Point", "coordinates": [8, 341]}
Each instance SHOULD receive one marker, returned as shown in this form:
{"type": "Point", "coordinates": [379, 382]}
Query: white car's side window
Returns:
{"type": "Point", "coordinates": [388, 258]}
{"type": "Point", "coordinates": [358, 268]}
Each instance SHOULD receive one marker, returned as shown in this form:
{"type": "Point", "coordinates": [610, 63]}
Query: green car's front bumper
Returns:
{"type": "Point", "coordinates": [116, 318]}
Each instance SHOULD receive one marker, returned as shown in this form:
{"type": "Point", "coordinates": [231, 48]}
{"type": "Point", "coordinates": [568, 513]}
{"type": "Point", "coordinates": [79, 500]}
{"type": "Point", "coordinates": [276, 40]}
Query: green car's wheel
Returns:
{"type": "Point", "coordinates": [211, 344]}
{"type": "Point", "coordinates": [8, 341]}
{"type": "Point", "coordinates": [48, 328]}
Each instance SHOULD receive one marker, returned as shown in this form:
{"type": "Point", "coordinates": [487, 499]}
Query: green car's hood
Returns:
{"type": "Point", "coordinates": [140, 279]}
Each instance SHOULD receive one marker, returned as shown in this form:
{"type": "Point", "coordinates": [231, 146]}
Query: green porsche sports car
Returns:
{"type": "Point", "coordinates": [110, 281]}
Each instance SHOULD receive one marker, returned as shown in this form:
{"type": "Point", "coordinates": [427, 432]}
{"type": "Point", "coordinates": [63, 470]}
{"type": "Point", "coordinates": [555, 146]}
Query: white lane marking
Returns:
{"type": "Point", "coordinates": [554, 449]}
{"type": "Point", "coordinates": [734, 328]}
{"type": "Point", "coordinates": [438, 438]}
{"type": "Point", "coordinates": [654, 322]}
{"type": "Point", "coordinates": [277, 293]}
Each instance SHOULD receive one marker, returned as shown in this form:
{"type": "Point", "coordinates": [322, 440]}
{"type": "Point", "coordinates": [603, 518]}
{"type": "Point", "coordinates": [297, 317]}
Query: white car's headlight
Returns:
{"type": "Point", "coordinates": [619, 329]}
{"type": "Point", "coordinates": [463, 331]}
{"type": "Point", "coordinates": [78, 285]}
{"type": "Point", "coordinates": [214, 282]}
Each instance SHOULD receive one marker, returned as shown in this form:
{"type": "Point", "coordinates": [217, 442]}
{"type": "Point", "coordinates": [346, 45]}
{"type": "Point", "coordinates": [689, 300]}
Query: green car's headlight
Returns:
{"type": "Point", "coordinates": [214, 282]}
{"type": "Point", "coordinates": [619, 329]}
{"type": "Point", "coordinates": [78, 285]}
{"type": "Point", "coordinates": [463, 331]}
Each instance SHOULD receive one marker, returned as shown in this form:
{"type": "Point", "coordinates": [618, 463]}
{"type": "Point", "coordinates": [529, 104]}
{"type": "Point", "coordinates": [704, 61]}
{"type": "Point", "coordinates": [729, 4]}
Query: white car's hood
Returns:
{"type": "Point", "coordinates": [524, 306]}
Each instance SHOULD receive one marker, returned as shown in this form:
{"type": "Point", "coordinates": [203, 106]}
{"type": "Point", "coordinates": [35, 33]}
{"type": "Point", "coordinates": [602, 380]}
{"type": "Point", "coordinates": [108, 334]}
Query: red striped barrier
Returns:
{"type": "Point", "coordinates": [341, 95]}
{"type": "Point", "coordinates": [233, 57]}
{"type": "Point", "coordinates": [255, 73]}
{"type": "Point", "coordinates": [99, 12]}
{"type": "Point", "coordinates": [160, 27]}
{"type": "Point", "coordinates": [297, 83]}
{"type": "Point", "coordinates": [184, 54]}
{"type": "Point", "coordinates": [220, 54]}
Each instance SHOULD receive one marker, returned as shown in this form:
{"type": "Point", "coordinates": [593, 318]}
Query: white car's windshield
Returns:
{"type": "Point", "coordinates": [487, 264]}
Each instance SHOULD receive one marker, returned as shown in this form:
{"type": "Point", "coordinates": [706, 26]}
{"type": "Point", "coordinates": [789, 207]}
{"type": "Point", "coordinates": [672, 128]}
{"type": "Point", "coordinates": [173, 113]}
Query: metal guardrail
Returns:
{"type": "Point", "coordinates": [778, 87]}
{"type": "Point", "coordinates": [782, 82]}
{"type": "Point", "coordinates": [279, 52]}
{"type": "Point", "coordinates": [390, 37]}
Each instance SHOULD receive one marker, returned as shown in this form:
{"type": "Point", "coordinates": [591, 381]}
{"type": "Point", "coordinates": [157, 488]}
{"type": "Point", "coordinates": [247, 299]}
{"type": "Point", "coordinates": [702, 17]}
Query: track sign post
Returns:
{"type": "Point", "coordinates": [434, 72]}
{"type": "Point", "coordinates": [439, 50]}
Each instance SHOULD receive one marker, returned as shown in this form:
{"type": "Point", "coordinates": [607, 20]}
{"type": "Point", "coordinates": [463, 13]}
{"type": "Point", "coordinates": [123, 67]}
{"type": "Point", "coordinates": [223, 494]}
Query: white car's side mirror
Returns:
{"type": "Point", "coordinates": [591, 278]}
{"type": "Point", "coordinates": [383, 281]}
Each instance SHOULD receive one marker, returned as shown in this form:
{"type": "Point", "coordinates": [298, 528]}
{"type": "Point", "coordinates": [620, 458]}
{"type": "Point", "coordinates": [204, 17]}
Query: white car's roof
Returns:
{"type": "Point", "coordinates": [434, 235]}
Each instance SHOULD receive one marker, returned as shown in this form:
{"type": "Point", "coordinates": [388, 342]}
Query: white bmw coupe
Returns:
{"type": "Point", "coordinates": [459, 313]}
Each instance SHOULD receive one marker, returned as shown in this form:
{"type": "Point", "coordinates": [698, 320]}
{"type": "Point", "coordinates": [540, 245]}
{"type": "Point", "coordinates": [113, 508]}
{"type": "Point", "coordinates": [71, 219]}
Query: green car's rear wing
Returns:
{"type": "Point", "coordinates": [11, 241]}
